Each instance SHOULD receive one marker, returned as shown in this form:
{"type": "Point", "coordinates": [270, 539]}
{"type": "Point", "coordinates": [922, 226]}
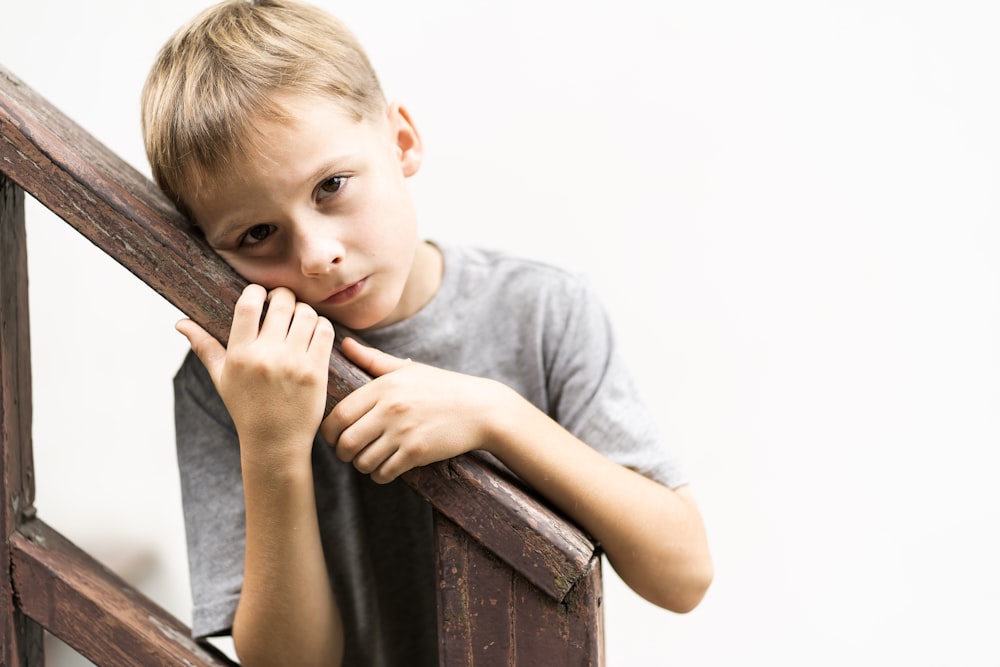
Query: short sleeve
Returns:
{"type": "Point", "coordinates": [594, 396]}
{"type": "Point", "coordinates": [208, 457]}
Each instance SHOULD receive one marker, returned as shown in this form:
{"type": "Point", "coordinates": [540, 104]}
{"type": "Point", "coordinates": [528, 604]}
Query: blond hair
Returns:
{"type": "Point", "coordinates": [220, 74]}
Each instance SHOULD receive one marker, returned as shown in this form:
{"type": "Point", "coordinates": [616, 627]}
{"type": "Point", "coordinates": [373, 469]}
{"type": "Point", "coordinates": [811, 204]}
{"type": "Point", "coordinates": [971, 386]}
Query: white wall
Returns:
{"type": "Point", "coordinates": [791, 210]}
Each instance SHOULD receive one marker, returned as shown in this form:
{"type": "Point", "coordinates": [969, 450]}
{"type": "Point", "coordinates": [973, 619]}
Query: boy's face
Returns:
{"type": "Point", "coordinates": [326, 213]}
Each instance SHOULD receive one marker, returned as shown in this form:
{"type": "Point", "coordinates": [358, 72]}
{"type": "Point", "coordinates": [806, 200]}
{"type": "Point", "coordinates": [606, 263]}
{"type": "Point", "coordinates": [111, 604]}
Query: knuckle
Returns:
{"type": "Point", "coordinates": [417, 451]}
{"type": "Point", "coordinates": [254, 291]}
{"type": "Point", "coordinates": [343, 453]}
{"type": "Point", "coordinates": [347, 446]}
{"type": "Point", "coordinates": [385, 473]}
{"type": "Point", "coordinates": [324, 325]}
{"type": "Point", "coordinates": [380, 477]}
{"type": "Point", "coordinates": [246, 307]}
{"type": "Point", "coordinates": [282, 306]}
{"type": "Point", "coordinates": [398, 408]}
{"type": "Point", "coordinates": [304, 310]}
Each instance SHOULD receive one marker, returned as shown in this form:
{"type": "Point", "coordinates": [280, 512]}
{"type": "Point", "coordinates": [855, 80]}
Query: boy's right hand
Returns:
{"type": "Point", "coordinates": [273, 375]}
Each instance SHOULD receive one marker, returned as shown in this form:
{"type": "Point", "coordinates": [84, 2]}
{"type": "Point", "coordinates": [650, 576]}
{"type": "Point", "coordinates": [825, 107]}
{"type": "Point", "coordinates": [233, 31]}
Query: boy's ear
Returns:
{"type": "Point", "coordinates": [409, 146]}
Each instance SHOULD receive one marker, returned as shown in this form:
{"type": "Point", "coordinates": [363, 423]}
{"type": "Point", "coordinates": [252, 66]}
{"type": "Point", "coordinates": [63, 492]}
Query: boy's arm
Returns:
{"type": "Point", "coordinates": [653, 536]}
{"type": "Point", "coordinates": [413, 414]}
{"type": "Point", "coordinates": [272, 379]}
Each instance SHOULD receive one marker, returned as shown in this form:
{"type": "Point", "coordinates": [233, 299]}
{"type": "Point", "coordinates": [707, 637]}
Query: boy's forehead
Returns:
{"type": "Point", "coordinates": [309, 139]}
{"type": "Point", "coordinates": [305, 122]}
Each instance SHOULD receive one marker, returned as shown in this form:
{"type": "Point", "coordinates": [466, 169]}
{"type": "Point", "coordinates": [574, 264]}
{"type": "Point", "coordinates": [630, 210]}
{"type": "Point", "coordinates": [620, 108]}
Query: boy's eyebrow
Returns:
{"type": "Point", "coordinates": [230, 227]}
{"type": "Point", "coordinates": [326, 168]}
{"type": "Point", "coordinates": [217, 230]}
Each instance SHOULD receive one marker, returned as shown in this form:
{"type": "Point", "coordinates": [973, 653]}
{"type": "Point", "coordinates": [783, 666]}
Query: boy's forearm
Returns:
{"type": "Point", "coordinates": [287, 612]}
{"type": "Point", "coordinates": [653, 536]}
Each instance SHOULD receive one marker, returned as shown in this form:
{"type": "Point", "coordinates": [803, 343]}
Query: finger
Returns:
{"type": "Point", "coordinates": [355, 439]}
{"type": "Point", "coordinates": [374, 362]}
{"type": "Point", "coordinates": [303, 324]}
{"type": "Point", "coordinates": [246, 316]}
{"type": "Point", "coordinates": [347, 429]}
{"type": "Point", "coordinates": [389, 470]}
{"type": "Point", "coordinates": [280, 311]}
{"type": "Point", "coordinates": [321, 344]}
{"type": "Point", "coordinates": [208, 350]}
{"type": "Point", "coordinates": [347, 411]}
{"type": "Point", "coordinates": [331, 428]}
{"type": "Point", "coordinates": [373, 456]}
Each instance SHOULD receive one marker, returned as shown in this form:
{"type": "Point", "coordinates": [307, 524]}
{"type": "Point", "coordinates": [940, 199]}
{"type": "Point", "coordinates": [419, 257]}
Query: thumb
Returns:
{"type": "Point", "coordinates": [209, 351]}
{"type": "Point", "coordinates": [372, 361]}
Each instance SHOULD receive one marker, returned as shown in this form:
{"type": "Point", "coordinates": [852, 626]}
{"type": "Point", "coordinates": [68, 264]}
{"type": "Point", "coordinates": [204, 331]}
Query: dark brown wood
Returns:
{"type": "Point", "coordinates": [125, 215]}
{"type": "Point", "coordinates": [93, 610]}
{"type": "Point", "coordinates": [20, 639]}
{"type": "Point", "coordinates": [490, 616]}
{"type": "Point", "coordinates": [553, 554]}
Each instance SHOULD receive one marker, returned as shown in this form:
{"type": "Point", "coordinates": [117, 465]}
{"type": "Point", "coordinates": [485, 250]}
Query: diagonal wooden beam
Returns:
{"type": "Point", "coordinates": [93, 610]}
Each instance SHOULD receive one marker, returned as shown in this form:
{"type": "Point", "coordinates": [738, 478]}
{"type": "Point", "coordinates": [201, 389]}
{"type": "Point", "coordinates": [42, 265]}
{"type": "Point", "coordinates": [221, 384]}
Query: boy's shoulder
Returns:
{"type": "Point", "coordinates": [477, 266]}
{"type": "Point", "coordinates": [485, 284]}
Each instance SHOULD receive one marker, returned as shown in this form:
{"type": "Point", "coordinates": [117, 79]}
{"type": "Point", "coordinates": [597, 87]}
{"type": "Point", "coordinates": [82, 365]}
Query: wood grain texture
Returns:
{"type": "Point", "coordinates": [490, 616]}
{"type": "Point", "coordinates": [541, 545]}
{"type": "Point", "coordinates": [20, 639]}
{"type": "Point", "coordinates": [93, 610]}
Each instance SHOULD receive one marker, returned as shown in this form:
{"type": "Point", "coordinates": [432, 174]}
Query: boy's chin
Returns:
{"type": "Point", "coordinates": [357, 321]}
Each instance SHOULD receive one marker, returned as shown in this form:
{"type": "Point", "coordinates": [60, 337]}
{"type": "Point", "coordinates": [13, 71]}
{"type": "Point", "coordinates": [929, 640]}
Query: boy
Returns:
{"type": "Point", "coordinates": [265, 122]}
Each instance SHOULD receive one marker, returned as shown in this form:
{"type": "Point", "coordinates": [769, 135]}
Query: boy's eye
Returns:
{"type": "Point", "coordinates": [256, 234]}
{"type": "Point", "coordinates": [331, 186]}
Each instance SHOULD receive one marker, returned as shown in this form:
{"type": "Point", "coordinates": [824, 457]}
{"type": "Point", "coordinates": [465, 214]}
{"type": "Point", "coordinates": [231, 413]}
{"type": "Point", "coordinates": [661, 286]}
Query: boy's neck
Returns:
{"type": "Point", "coordinates": [424, 282]}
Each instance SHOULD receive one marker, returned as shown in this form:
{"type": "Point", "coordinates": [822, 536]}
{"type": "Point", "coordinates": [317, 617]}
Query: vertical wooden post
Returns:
{"type": "Point", "coordinates": [20, 638]}
{"type": "Point", "coordinates": [491, 616]}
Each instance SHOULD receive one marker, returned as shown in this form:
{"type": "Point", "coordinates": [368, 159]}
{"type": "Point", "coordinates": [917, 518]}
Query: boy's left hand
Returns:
{"type": "Point", "coordinates": [410, 415]}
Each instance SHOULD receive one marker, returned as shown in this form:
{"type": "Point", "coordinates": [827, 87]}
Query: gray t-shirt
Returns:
{"type": "Point", "coordinates": [534, 327]}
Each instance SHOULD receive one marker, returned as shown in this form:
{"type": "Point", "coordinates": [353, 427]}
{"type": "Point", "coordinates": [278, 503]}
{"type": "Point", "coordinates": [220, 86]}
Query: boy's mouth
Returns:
{"type": "Point", "coordinates": [345, 294]}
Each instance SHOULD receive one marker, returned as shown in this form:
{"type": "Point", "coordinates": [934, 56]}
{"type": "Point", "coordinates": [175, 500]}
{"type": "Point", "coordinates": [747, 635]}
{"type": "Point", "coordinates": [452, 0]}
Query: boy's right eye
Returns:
{"type": "Point", "coordinates": [256, 234]}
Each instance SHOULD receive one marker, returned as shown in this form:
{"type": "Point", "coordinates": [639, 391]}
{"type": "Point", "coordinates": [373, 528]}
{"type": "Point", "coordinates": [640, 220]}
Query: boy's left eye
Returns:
{"type": "Point", "coordinates": [331, 186]}
{"type": "Point", "coordinates": [256, 234]}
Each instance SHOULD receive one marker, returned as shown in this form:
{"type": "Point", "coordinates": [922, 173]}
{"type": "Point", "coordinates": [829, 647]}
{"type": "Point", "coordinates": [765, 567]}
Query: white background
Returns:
{"type": "Point", "coordinates": [790, 208]}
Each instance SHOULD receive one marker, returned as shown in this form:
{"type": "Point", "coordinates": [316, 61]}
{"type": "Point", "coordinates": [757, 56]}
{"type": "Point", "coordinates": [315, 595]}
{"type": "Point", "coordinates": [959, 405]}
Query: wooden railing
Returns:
{"type": "Point", "coordinates": [518, 584]}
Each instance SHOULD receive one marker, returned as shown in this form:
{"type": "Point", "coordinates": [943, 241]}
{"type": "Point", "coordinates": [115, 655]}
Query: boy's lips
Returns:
{"type": "Point", "coordinates": [346, 293]}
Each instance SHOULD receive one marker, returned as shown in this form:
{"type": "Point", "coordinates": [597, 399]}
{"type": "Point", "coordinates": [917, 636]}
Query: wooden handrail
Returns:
{"type": "Point", "coordinates": [124, 214]}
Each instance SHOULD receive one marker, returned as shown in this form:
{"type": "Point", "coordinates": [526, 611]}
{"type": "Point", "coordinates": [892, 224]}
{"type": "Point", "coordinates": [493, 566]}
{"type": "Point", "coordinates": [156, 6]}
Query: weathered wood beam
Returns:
{"type": "Point", "coordinates": [491, 616]}
{"type": "Point", "coordinates": [542, 546]}
{"type": "Point", "coordinates": [125, 215]}
{"type": "Point", "coordinates": [20, 639]}
{"type": "Point", "coordinates": [93, 610]}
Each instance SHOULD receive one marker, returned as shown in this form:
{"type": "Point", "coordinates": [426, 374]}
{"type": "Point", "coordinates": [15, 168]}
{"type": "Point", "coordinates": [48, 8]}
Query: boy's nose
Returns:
{"type": "Point", "coordinates": [320, 255]}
